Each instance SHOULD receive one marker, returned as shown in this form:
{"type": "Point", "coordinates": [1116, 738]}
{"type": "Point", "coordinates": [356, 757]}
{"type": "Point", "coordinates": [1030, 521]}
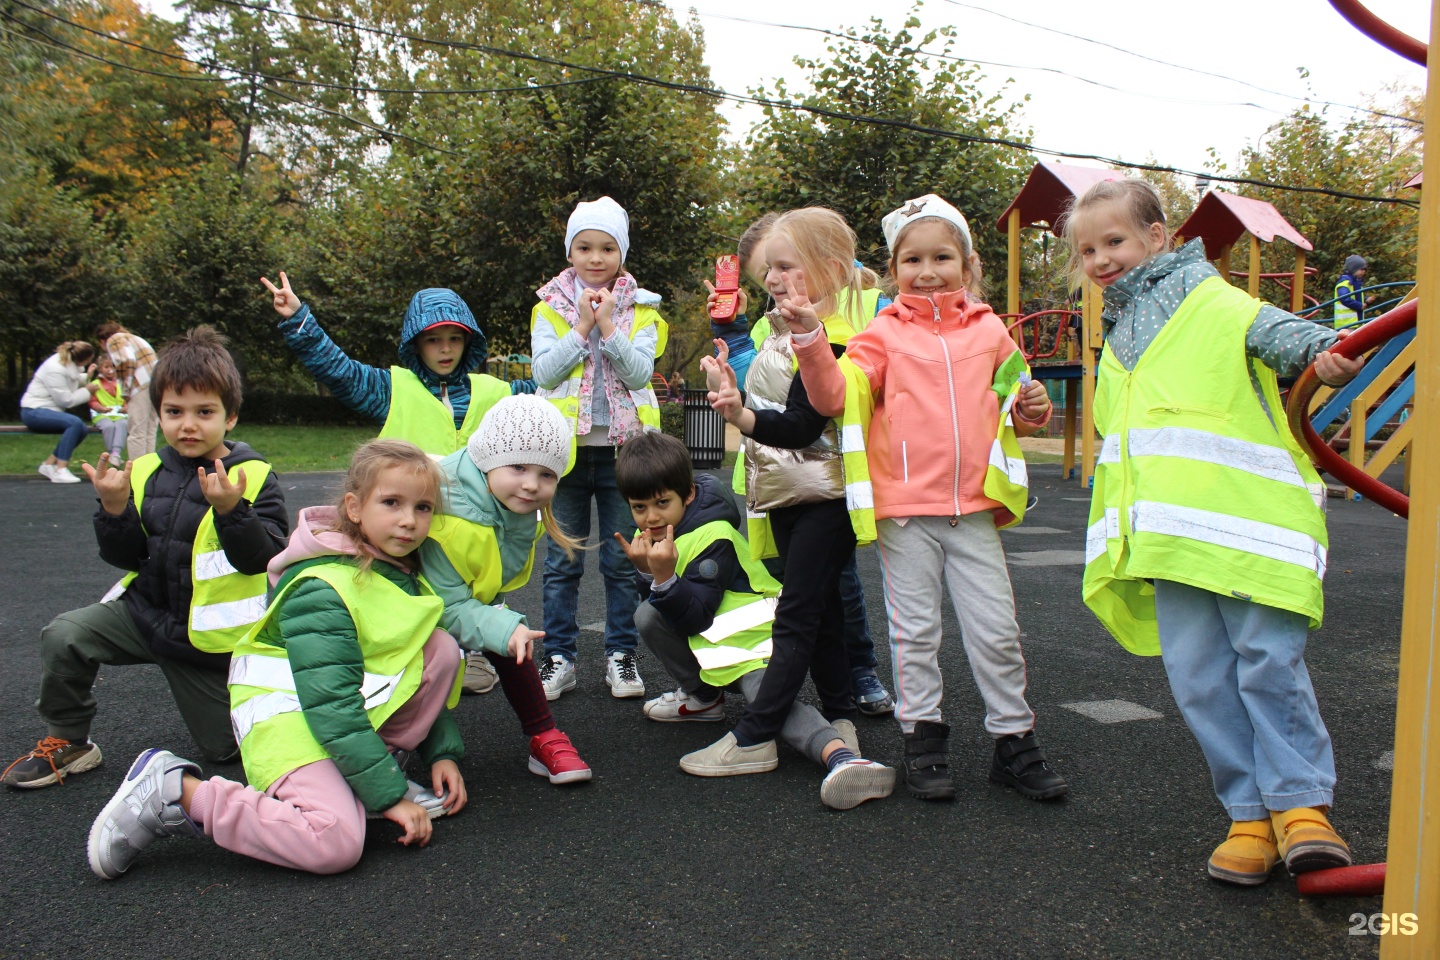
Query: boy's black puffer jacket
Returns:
{"type": "Point", "coordinates": [158, 545]}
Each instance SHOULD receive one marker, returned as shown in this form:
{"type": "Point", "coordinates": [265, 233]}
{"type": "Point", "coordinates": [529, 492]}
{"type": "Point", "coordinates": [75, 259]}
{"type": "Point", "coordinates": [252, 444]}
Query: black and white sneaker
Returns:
{"type": "Point", "coordinates": [622, 674]}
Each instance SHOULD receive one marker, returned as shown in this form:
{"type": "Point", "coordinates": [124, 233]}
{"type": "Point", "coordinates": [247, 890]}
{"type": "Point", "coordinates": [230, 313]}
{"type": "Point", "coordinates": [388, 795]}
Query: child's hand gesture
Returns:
{"type": "Point", "coordinates": [713, 366]}
{"type": "Point", "coordinates": [446, 781]}
{"type": "Point", "coordinates": [604, 305]}
{"type": "Point", "coordinates": [727, 399]}
{"type": "Point", "coordinates": [112, 485]}
{"type": "Point", "coordinates": [522, 641]}
{"type": "Point", "coordinates": [662, 555]}
{"type": "Point", "coordinates": [1335, 370]}
{"type": "Point", "coordinates": [637, 551]}
{"type": "Point", "coordinates": [1033, 401]}
{"type": "Point", "coordinates": [219, 491]}
{"type": "Point", "coordinates": [412, 818]}
{"type": "Point", "coordinates": [796, 308]}
{"type": "Point", "coordinates": [286, 303]}
{"type": "Point", "coordinates": [740, 299]}
{"type": "Point", "coordinates": [585, 311]}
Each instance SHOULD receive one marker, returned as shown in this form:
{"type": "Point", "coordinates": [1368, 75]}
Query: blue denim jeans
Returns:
{"type": "Point", "coordinates": [593, 478]}
{"type": "Point", "coordinates": [72, 428]}
{"type": "Point", "coordinates": [1237, 670]}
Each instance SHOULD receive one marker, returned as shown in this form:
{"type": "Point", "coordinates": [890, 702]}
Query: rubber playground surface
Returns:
{"type": "Point", "coordinates": [646, 861]}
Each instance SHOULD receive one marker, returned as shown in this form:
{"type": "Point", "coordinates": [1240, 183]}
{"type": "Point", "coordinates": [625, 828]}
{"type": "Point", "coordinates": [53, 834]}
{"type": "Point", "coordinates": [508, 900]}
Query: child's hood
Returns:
{"type": "Point", "coordinates": [956, 306]}
{"type": "Point", "coordinates": [711, 503]}
{"type": "Point", "coordinates": [315, 536]}
{"type": "Point", "coordinates": [438, 305]}
{"type": "Point", "coordinates": [1152, 271]}
{"type": "Point", "coordinates": [468, 496]}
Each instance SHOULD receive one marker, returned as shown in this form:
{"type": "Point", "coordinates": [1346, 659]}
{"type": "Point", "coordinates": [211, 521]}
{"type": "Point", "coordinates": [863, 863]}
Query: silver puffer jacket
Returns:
{"type": "Point", "coordinates": [775, 477]}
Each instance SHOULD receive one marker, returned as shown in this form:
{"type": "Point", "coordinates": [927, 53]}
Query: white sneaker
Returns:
{"type": "Point", "coordinates": [854, 781]}
{"type": "Point", "coordinates": [677, 705]}
{"type": "Point", "coordinates": [622, 674]}
{"type": "Point", "coordinates": [480, 675]}
{"type": "Point", "coordinates": [428, 800]}
{"type": "Point", "coordinates": [557, 675]}
{"type": "Point", "coordinates": [62, 475]}
{"type": "Point", "coordinates": [46, 470]}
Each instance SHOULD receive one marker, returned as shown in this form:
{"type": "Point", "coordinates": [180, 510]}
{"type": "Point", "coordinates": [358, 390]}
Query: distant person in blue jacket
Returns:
{"type": "Point", "coordinates": [1349, 305]}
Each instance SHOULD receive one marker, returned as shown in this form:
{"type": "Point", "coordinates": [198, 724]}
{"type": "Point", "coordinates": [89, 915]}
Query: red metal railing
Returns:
{"type": "Point", "coordinates": [1032, 352]}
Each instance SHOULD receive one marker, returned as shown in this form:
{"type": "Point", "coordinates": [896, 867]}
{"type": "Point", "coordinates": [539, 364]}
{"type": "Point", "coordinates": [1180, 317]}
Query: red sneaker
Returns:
{"type": "Point", "coordinates": [553, 755]}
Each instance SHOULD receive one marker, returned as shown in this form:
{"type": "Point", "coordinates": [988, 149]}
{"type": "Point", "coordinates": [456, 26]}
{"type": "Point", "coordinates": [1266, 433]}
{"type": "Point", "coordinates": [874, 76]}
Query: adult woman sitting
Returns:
{"type": "Point", "coordinates": [58, 385]}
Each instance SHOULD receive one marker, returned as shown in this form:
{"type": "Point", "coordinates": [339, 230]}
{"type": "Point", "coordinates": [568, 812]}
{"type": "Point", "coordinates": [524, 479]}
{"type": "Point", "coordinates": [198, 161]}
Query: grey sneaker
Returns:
{"type": "Point", "coordinates": [480, 675]}
{"type": "Point", "coordinates": [726, 758]}
{"type": "Point", "coordinates": [557, 675]}
{"type": "Point", "coordinates": [50, 763]}
{"type": "Point", "coordinates": [622, 674]}
{"type": "Point", "coordinates": [852, 782]}
{"type": "Point", "coordinates": [146, 807]}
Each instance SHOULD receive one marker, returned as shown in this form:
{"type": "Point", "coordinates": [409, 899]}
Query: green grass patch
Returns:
{"type": "Point", "coordinates": [289, 449]}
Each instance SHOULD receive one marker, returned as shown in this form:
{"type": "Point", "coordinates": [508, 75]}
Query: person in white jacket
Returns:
{"type": "Point", "coordinates": [59, 384]}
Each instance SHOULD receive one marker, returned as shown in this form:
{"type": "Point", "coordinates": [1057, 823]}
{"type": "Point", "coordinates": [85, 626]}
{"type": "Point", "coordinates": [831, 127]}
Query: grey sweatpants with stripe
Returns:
{"type": "Point", "coordinates": [970, 561]}
{"type": "Point", "coordinates": [805, 729]}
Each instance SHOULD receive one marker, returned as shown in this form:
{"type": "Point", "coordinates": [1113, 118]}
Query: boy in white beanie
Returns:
{"type": "Point", "coordinates": [484, 547]}
{"type": "Point", "coordinates": [594, 338]}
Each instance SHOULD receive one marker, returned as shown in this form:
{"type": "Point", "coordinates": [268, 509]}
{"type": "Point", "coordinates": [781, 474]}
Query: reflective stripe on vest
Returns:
{"type": "Point", "coordinates": [738, 639]}
{"type": "Point", "coordinates": [417, 415]}
{"type": "Point", "coordinates": [391, 627]}
{"type": "Point", "coordinates": [1194, 482]}
{"type": "Point", "coordinates": [566, 394]}
{"type": "Point", "coordinates": [1007, 479]}
{"type": "Point", "coordinates": [224, 603]}
{"type": "Point", "coordinates": [474, 551]}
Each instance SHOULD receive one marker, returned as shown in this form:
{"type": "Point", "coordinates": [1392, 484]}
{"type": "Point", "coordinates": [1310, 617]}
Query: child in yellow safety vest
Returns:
{"type": "Point", "coordinates": [594, 337]}
{"type": "Point", "coordinates": [484, 547]}
{"type": "Point", "coordinates": [951, 393]}
{"type": "Point", "coordinates": [1207, 538]}
{"type": "Point", "coordinates": [347, 673]}
{"type": "Point", "coordinates": [708, 608]}
{"type": "Point", "coordinates": [107, 408]}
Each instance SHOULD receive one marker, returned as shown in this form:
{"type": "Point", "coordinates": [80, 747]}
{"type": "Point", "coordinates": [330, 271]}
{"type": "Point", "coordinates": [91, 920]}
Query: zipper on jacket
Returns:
{"type": "Point", "coordinates": [954, 415]}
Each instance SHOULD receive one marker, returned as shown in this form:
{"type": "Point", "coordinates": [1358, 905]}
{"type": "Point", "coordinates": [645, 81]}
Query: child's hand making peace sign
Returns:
{"type": "Point", "coordinates": [796, 308]}
{"type": "Point", "coordinates": [286, 303]}
{"type": "Point", "coordinates": [724, 393]}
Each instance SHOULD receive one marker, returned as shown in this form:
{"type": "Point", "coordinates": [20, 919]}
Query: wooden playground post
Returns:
{"type": "Point", "coordinates": [1254, 278]}
{"type": "Point", "coordinates": [1092, 339]}
{"type": "Point", "coordinates": [1012, 294]}
{"type": "Point", "coordinates": [1412, 879]}
{"type": "Point", "coordinates": [1297, 289]}
{"type": "Point", "coordinates": [1222, 263]}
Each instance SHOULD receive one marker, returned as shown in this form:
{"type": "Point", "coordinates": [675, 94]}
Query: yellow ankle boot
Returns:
{"type": "Point", "coordinates": [1307, 841]}
{"type": "Point", "coordinates": [1248, 854]}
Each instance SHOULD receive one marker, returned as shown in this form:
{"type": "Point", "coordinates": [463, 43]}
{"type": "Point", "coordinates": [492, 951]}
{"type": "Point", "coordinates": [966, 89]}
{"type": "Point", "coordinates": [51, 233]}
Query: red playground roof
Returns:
{"type": "Point", "coordinates": [1222, 218]}
{"type": "Point", "coordinates": [1415, 181]}
{"type": "Point", "coordinates": [1049, 189]}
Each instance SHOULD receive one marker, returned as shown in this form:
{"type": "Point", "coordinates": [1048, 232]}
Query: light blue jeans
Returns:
{"type": "Point", "coordinates": [1237, 670]}
{"type": "Point", "coordinates": [592, 478]}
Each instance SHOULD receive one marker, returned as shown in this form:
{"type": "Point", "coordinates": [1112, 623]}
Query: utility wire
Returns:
{"type": "Point", "coordinates": [1176, 66]}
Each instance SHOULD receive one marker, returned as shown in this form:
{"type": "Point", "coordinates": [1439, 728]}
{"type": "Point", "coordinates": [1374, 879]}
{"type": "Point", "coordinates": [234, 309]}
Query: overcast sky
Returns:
{"type": "Point", "coordinates": [1144, 108]}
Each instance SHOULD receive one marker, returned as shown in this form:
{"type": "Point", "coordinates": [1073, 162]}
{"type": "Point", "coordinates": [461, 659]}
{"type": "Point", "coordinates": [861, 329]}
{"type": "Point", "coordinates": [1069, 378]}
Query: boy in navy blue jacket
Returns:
{"type": "Point", "coordinates": [706, 612]}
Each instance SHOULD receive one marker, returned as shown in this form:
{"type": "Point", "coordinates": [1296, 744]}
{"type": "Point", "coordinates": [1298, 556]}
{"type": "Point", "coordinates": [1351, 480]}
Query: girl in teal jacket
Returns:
{"type": "Point", "coordinates": [343, 679]}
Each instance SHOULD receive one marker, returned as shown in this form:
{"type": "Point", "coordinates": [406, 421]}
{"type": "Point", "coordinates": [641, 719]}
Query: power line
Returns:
{"type": "Point", "coordinates": [1176, 66]}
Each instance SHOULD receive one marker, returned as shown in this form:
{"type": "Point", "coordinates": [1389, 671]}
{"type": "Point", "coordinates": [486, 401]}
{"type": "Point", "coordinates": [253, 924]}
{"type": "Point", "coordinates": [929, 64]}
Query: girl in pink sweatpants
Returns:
{"type": "Point", "coordinates": [343, 677]}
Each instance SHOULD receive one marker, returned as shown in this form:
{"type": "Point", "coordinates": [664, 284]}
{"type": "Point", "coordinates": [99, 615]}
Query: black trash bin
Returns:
{"type": "Point", "coordinates": [704, 431]}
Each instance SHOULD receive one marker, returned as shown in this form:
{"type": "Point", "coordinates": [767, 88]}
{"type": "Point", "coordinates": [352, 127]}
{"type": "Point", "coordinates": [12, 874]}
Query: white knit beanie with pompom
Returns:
{"type": "Point", "coordinates": [521, 429]}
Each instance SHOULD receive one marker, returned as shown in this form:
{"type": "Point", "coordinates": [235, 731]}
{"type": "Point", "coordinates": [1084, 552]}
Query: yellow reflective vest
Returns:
{"type": "Point", "coordinates": [108, 401]}
{"type": "Point", "coordinates": [265, 711]}
{"type": "Point", "coordinates": [1197, 482]}
{"type": "Point", "coordinates": [1007, 480]}
{"type": "Point", "coordinates": [738, 639]}
{"type": "Point", "coordinates": [224, 603]}
{"type": "Point", "coordinates": [417, 415]}
{"type": "Point", "coordinates": [474, 552]}
{"type": "Point", "coordinates": [566, 394]}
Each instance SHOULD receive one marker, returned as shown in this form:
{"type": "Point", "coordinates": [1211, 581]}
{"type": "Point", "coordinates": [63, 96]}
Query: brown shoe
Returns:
{"type": "Point", "coordinates": [1248, 854]}
{"type": "Point", "coordinates": [1307, 841]}
{"type": "Point", "coordinates": [50, 763]}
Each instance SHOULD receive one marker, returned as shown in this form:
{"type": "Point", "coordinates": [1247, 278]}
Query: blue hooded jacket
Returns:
{"type": "Point", "coordinates": [366, 389]}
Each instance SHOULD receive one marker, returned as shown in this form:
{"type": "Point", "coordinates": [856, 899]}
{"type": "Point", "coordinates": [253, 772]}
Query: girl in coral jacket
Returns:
{"type": "Point", "coordinates": [951, 392]}
{"type": "Point", "coordinates": [330, 693]}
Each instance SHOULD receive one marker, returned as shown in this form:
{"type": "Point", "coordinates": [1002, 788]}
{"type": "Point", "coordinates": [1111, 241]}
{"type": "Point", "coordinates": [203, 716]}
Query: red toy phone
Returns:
{"type": "Point", "coordinates": [727, 284]}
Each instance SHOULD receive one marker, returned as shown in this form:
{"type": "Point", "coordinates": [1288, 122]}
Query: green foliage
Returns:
{"type": "Point", "coordinates": [864, 171]}
{"type": "Point", "coordinates": [1359, 157]}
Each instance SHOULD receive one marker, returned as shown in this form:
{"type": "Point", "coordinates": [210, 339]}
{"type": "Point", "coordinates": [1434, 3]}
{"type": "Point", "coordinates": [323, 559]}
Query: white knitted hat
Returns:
{"type": "Point", "coordinates": [604, 215]}
{"type": "Point", "coordinates": [521, 429]}
{"type": "Point", "coordinates": [927, 206]}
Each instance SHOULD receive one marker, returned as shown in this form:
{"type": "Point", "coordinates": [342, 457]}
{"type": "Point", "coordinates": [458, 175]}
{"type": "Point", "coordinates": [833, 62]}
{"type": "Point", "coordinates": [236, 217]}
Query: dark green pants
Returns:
{"type": "Point", "coordinates": [75, 645]}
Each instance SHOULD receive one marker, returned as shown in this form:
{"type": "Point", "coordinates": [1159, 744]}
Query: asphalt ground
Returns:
{"type": "Point", "coordinates": [646, 861]}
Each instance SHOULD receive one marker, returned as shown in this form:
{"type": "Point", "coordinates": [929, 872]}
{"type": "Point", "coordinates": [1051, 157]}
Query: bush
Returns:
{"type": "Point", "coordinates": [672, 420]}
